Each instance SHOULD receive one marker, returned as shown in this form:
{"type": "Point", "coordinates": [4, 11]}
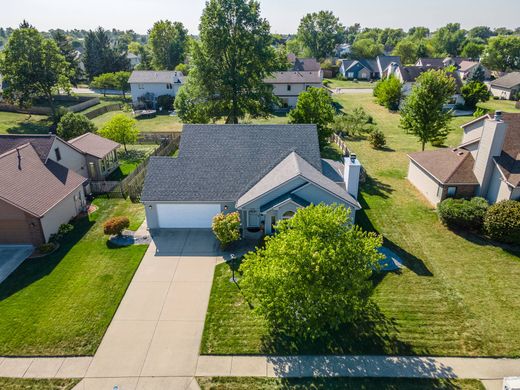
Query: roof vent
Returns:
{"type": "Point", "coordinates": [498, 115]}
{"type": "Point", "coordinates": [461, 153]}
{"type": "Point", "coordinates": [353, 157]}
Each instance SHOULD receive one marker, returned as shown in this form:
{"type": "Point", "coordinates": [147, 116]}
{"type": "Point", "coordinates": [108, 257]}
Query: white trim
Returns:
{"type": "Point", "coordinates": [483, 117]}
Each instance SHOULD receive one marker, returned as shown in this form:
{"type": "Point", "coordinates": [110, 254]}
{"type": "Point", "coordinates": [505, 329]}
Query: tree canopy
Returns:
{"type": "Point", "coordinates": [422, 114]}
{"type": "Point", "coordinates": [366, 48]}
{"type": "Point", "coordinates": [64, 43]}
{"type": "Point", "coordinates": [168, 42]}
{"type": "Point", "coordinates": [320, 32]}
{"type": "Point", "coordinates": [312, 277]}
{"type": "Point", "coordinates": [72, 125]}
{"type": "Point", "coordinates": [474, 92]}
{"type": "Point", "coordinates": [388, 93]}
{"type": "Point", "coordinates": [120, 129]}
{"type": "Point", "coordinates": [102, 55]}
{"type": "Point", "coordinates": [502, 53]}
{"type": "Point", "coordinates": [231, 60]}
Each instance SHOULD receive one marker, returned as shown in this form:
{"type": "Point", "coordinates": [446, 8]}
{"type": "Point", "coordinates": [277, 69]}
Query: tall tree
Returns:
{"type": "Point", "coordinates": [315, 106]}
{"type": "Point", "coordinates": [422, 114]}
{"type": "Point", "coordinates": [320, 32]}
{"type": "Point", "coordinates": [481, 32]}
{"type": "Point", "coordinates": [231, 61]}
{"type": "Point", "coordinates": [351, 33]}
{"type": "Point", "coordinates": [502, 53]}
{"type": "Point", "coordinates": [419, 32]}
{"type": "Point", "coordinates": [448, 40]}
{"type": "Point", "coordinates": [69, 53]}
{"type": "Point", "coordinates": [33, 67]}
{"type": "Point", "coordinates": [472, 50]}
{"type": "Point", "coordinates": [366, 48]}
{"type": "Point", "coordinates": [168, 42]}
{"type": "Point", "coordinates": [102, 55]}
{"type": "Point", "coordinates": [407, 49]}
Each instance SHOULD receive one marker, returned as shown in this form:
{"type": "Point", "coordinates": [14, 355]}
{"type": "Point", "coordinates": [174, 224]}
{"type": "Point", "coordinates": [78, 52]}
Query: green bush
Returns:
{"type": "Point", "coordinates": [461, 213]}
{"type": "Point", "coordinates": [116, 225]}
{"type": "Point", "coordinates": [73, 125]}
{"type": "Point", "coordinates": [226, 227]}
{"type": "Point", "coordinates": [377, 139]}
{"type": "Point", "coordinates": [165, 102]}
{"type": "Point", "coordinates": [502, 221]}
{"type": "Point", "coordinates": [63, 230]}
{"type": "Point", "coordinates": [46, 248]}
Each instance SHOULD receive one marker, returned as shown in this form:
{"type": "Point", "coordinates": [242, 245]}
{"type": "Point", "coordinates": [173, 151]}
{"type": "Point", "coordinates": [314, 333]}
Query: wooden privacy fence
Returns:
{"type": "Point", "coordinates": [132, 185]}
{"type": "Point", "coordinates": [340, 143]}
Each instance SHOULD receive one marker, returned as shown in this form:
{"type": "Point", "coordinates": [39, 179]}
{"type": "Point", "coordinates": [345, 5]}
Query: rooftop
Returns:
{"type": "Point", "coordinates": [94, 145]}
{"type": "Point", "coordinates": [510, 80]}
{"type": "Point", "coordinates": [293, 77]}
{"type": "Point", "coordinates": [154, 76]}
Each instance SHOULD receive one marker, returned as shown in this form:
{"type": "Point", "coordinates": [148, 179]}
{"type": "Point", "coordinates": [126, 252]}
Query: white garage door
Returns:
{"type": "Point", "coordinates": [186, 215]}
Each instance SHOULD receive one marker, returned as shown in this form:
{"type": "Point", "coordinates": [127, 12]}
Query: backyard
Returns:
{"type": "Point", "coordinates": [160, 122]}
{"type": "Point", "coordinates": [129, 160]}
{"type": "Point", "coordinates": [15, 123]}
{"type": "Point", "coordinates": [349, 84]}
{"type": "Point", "coordinates": [62, 304]}
{"type": "Point", "coordinates": [452, 298]}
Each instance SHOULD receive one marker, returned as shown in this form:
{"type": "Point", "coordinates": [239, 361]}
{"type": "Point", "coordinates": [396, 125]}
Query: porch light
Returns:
{"type": "Point", "coordinates": [225, 207]}
{"type": "Point", "coordinates": [150, 206]}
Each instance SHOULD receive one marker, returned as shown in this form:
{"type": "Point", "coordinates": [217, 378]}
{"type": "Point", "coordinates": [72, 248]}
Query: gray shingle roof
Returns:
{"type": "Point", "coordinates": [221, 162]}
{"type": "Point", "coordinates": [292, 77]}
{"type": "Point", "coordinates": [42, 144]}
{"type": "Point", "coordinates": [94, 144]}
{"type": "Point", "coordinates": [510, 80]}
{"type": "Point", "coordinates": [153, 76]}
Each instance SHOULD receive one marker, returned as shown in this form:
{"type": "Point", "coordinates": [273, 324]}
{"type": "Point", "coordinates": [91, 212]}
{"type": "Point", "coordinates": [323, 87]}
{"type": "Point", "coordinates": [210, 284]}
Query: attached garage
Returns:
{"type": "Point", "coordinates": [186, 215]}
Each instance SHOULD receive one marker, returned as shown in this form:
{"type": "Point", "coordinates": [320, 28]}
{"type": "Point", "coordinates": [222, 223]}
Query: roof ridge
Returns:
{"type": "Point", "coordinates": [78, 137]}
{"type": "Point", "coordinates": [458, 166]}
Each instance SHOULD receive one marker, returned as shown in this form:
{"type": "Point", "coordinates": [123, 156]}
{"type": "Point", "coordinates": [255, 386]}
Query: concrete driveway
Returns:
{"type": "Point", "coordinates": [154, 339]}
{"type": "Point", "coordinates": [11, 256]}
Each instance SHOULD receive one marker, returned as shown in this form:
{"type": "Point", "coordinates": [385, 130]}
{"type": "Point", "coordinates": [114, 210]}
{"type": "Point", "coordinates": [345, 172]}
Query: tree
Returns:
{"type": "Point", "coordinates": [231, 60]}
{"type": "Point", "coordinates": [448, 40]}
{"type": "Point", "coordinates": [358, 122]}
{"type": "Point", "coordinates": [502, 53]}
{"type": "Point", "coordinates": [388, 93]}
{"type": "Point", "coordinates": [418, 33]}
{"type": "Point", "coordinates": [422, 114]}
{"type": "Point", "coordinates": [479, 74]}
{"type": "Point", "coordinates": [407, 49]}
{"type": "Point", "coordinates": [473, 50]}
{"type": "Point", "coordinates": [190, 104]}
{"type": "Point", "coordinates": [351, 33]}
{"type": "Point", "coordinates": [281, 62]}
{"type": "Point", "coordinates": [366, 48]}
{"type": "Point", "coordinates": [320, 32]}
{"type": "Point", "coordinates": [120, 129]}
{"type": "Point", "coordinates": [103, 82]}
{"type": "Point", "coordinates": [313, 277]}
{"type": "Point", "coordinates": [73, 125]}
{"type": "Point", "coordinates": [33, 67]}
{"type": "Point", "coordinates": [102, 55]}
{"type": "Point", "coordinates": [69, 53]}
{"type": "Point", "coordinates": [226, 227]}
{"type": "Point", "coordinates": [168, 43]}
{"type": "Point", "coordinates": [480, 32]}
{"type": "Point", "coordinates": [474, 92]}
{"type": "Point", "coordinates": [315, 106]}
{"type": "Point", "coordinates": [121, 81]}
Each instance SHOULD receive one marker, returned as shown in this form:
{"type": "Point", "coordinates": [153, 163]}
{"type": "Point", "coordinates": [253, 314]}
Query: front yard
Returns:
{"type": "Point", "coordinates": [457, 296]}
{"type": "Point", "coordinates": [62, 304]}
{"type": "Point", "coordinates": [37, 384]}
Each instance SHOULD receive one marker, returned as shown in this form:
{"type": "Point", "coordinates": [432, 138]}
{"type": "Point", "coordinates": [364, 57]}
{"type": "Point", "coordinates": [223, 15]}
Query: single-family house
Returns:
{"type": "Point", "coordinates": [100, 154]}
{"type": "Point", "coordinates": [466, 69]}
{"type": "Point", "coordinates": [147, 85]}
{"type": "Point", "coordinates": [38, 192]}
{"type": "Point", "coordinates": [435, 63]}
{"type": "Point", "coordinates": [288, 85]}
{"type": "Point", "coordinates": [265, 172]}
{"type": "Point", "coordinates": [507, 87]}
{"type": "Point", "coordinates": [367, 69]}
{"type": "Point", "coordinates": [454, 61]}
{"type": "Point", "coordinates": [133, 59]}
{"type": "Point", "coordinates": [305, 64]}
{"type": "Point", "coordinates": [486, 163]}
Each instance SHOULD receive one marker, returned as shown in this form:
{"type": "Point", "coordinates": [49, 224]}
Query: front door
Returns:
{"type": "Point", "coordinates": [254, 219]}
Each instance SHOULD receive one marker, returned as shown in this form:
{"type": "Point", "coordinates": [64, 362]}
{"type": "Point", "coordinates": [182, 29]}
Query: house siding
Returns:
{"type": "Point", "coordinates": [425, 183]}
{"type": "Point", "coordinates": [70, 158]}
{"type": "Point", "coordinates": [473, 131]}
{"type": "Point", "coordinates": [504, 93]}
{"type": "Point", "coordinates": [19, 227]}
{"type": "Point", "coordinates": [157, 89]}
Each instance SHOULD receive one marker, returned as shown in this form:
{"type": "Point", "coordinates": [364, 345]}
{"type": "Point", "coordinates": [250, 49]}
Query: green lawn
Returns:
{"type": "Point", "coordinates": [15, 123]}
{"type": "Point", "coordinates": [129, 160]}
{"type": "Point", "coordinates": [63, 303]}
{"type": "Point", "coordinates": [503, 105]}
{"type": "Point", "coordinates": [457, 296]}
{"type": "Point", "coordinates": [162, 122]}
{"type": "Point", "coordinates": [222, 383]}
{"type": "Point", "coordinates": [37, 384]}
{"type": "Point", "coordinates": [349, 84]}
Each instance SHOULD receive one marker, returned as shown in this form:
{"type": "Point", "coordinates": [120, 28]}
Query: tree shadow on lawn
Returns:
{"type": "Point", "coordinates": [32, 270]}
{"type": "Point", "coordinates": [346, 383]}
{"type": "Point", "coordinates": [481, 240]}
{"type": "Point", "coordinates": [374, 187]}
{"type": "Point", "coordinates": [43, 126]}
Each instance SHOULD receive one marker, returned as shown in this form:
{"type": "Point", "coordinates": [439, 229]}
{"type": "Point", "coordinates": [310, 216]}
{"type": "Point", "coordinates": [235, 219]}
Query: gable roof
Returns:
{"type": "Point", "coordinates": [411, 73]}
{"type": "Point", "coordinates": [306, 65]}
{"type": "Point", "coordinates": [93, 144]}
{"type": "Point", "coordinates": [293, 77]}
{"type": "Point", "coordinates": [448, 166]}
{"type": "Point", "coordinates": [466, 65]}
{"type": "Point", "coordinates": [385, 61]}
{"type": "Point", "coordinates": [154, 76]}
{"type": "Point", "coordinates": [42, 144]}
{"type": "Point", "coordinates": [431, 62]}
{"type": "Point", "coordinates": [221, 162]}
{"type": "Point", "coordinates": [509, 160]}
{"type": "Point", "coordinates": [32, 185]}
{"type": "Point", "coordinates": [289, 168]}
{"type": "Point", "coordinates": [510, 80]}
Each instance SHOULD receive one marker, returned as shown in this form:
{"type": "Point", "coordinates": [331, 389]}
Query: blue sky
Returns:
{"type": "Point", "coordinates": [283, 15]}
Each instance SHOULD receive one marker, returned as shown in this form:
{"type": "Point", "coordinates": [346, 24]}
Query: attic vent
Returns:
{"type": "Point", "coordinates": [454, 150]}
{"type": "Point", "coordinates": [461, 153]}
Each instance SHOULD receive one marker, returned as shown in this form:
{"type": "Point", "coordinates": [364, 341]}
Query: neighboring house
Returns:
{"type": "Point", "coordinates": [343, 50]}
{"type": "Point", "coordinates": [133, 59]}
{"type": "Point", "coordinates": [305, 64]}
{"type": "Point", "coordinates": [454, 61]}
{"type": "Point", "coordinates": [287, 86]}
{"type": "Point", "coordinates": [408, 75]}
{"type": "Point", "coordinates": [486, 163]}
{"type": "Point", "coordinates": [37, 192]}
{"type": "Point", "coordinates": [147, 85]}
{"type": "Point", "coordinates": [467, 69]}
{"type": "Point", "coordinates": [265, 172]}
{"type": "Point", "coordinates": [100, 154]}
{"type": "Point", "coordinates": [367, 69]}
{"type": "Point", "coordinates": [436, 63]}
{"type": "Point", "coordinates": [507, 87]}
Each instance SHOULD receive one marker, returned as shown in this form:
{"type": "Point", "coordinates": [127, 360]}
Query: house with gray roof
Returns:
{"type": "Point", "coordinates": [506, 87]}
{"type": "Point", "coordinates": [288, 85]}
{"type": "Point", "coordinates": [147, 85]}
{"type": "Point", "coordinates": [367, 69]}
{"type": "Point", "coordinates": [486, 163]}
{"type": "Point", "coordinates": [265, 172]}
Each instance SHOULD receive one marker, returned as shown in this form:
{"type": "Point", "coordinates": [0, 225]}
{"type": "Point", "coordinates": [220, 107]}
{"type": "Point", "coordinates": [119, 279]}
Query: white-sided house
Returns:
{"type": "Point", "coordinates": [100, 154]}
{"type": "Point", "coordinates": [266, 172]}
{"type": "Point", "coordinates": [287, 86]}
{"type": "Point", "coordinates": [486, 163]}
{"type": "Point", "coordinates": [147, 85]}
{"type": "Point", "coordinates": [133, 59]}
{"type": "Point", "coordinates": [506, 87]}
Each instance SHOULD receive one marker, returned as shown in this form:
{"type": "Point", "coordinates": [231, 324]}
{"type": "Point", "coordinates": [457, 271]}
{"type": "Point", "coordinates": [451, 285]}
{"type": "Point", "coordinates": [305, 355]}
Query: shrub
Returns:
{"type": "Point", "coordinates": [116, 225]}
{"type": "Point", "coordinates": [165, 102]}
{"type": "Point", "coordinates": [502, 221]}
{"type": "Point", "coordinates": [480, 112]}
{"type": "Point", "coordinates": [474, 92]}
{"type": "Point", "coordinates": [462, 213]}
{"type": "Point", "coordinates": [226, 227]}
{"type": "Point", "coordinates": [377, 139]}
{"type": "Point", "coordinates": [46, 248]}
{"type": "Point", "coordinates": [388, 93]}
{"type": "Point", "coordinates": [73, 125]}
{"type": "Point", "coordinates": [63, 230]}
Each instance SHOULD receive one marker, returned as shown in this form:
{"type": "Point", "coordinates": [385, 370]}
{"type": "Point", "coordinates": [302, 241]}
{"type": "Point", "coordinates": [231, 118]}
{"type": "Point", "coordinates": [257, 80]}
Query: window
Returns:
{"type": "Point", "coordinates": [350, 75]}
{"type": "Point", "coordinates": [288, 87]}
{"type": "Point", "coordinates": [452, 191]}
{"type": "Point", "coordinates": [58, 154]}
{"type": "Point", "coordinates": [169, 86]}
{"type": "Point", "coordinates": [140, 86]}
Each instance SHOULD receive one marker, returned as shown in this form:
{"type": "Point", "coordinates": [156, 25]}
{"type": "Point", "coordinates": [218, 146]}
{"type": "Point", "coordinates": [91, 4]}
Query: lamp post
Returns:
{"type": "Point", "coordinates": [233, 259]}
